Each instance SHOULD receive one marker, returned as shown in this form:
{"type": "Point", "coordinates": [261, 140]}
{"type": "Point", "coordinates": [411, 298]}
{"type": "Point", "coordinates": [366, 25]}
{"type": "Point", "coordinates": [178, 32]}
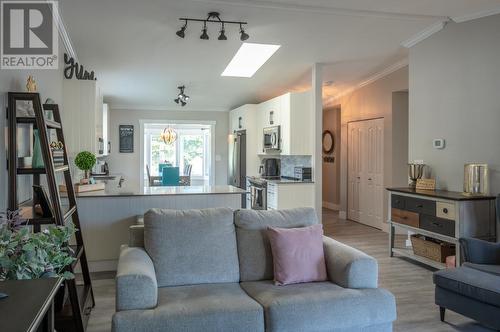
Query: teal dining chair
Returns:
{"type": "Point", "coordinates": [170, 176]}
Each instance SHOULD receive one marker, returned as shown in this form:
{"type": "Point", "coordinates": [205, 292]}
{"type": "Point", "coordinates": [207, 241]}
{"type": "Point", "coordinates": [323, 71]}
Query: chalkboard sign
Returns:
{"type": "Point", "coordinates": [126, 138]}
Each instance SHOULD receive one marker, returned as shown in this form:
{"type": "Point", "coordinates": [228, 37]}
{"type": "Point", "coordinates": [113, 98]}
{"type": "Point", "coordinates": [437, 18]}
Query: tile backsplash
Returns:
{"type": "Point", "coordinates": [288, 163]}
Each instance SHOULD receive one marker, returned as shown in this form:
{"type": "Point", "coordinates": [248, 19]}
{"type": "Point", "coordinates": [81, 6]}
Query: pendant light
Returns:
{"type": "Point", "coordinates": [169, 136]}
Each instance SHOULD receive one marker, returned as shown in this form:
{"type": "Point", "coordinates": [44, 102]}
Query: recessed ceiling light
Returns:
{"type": "Point", "coordinates": [249, 58]}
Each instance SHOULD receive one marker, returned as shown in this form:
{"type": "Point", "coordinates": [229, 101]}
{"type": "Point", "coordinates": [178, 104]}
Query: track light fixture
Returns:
{"type": "Point", "coordinates": [182, 98]}
{"type": "Point", "coordinates": [213, 17]}
{"type": "Point", "coordinates": [181, 31]}
{"type": "Point", "coordinates": [204, 34]}
{"type": "Point", "coordinates": [243, 35]}
{"type": "Point", "coordinates": [222, 35]}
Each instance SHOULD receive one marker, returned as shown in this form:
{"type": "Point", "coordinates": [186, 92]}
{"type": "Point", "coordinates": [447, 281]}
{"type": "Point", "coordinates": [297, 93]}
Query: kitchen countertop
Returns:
{"type": "Point", "coordinates": [280, 181]}
{"type": "Point", "coordinates": [114, 191]}
{"type": "Point", "coordinates": [288, 181]}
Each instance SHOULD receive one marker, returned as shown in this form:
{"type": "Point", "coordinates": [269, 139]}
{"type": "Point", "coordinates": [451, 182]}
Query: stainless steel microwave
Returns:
{"type": "Point", "coordinates": [272, 138]}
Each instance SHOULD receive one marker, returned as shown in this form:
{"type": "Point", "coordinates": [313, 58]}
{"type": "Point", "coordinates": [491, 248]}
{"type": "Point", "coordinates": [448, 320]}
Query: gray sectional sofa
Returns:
{"type": "Point", "coordinates": [211, 270]}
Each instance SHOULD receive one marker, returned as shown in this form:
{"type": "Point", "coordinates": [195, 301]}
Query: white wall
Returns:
{"type": "Point", "coordinates": [375, 100]}
{"type": "Point", "coordinates": [128, 164]}
{"type": "Point", "coordinates": [455, 95]}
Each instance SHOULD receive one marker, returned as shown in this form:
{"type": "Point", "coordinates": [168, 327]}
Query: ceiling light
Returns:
{"type": "Point", "coordinates": [249, 58]}
{"type": "Point", "coordinates": [222, 35]}
{"type": "Point", "coordinates": [213, 17]}
{"type": "Point", "coordinates": [204, 35]}
{"type": "Point", "coordinates": [169, 136]}
{"type": "Point", "coordinates": [180, 33]}
{"type": "Point", "coordinates": [182, 98]}
{"type": "Point", "coordinates": [244, 36]}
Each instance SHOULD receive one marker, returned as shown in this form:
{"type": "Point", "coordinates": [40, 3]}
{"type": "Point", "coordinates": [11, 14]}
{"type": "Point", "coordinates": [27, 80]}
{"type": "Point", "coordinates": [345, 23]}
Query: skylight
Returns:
{"type": "Point", "coordinates": [249, 58]}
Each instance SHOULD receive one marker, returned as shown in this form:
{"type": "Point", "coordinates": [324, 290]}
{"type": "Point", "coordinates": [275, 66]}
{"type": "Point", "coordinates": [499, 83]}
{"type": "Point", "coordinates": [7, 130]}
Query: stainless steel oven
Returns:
{"type": "Point", "coordinates": [258, 194]}
{"type": "Point", "coordinates": [272, 138]}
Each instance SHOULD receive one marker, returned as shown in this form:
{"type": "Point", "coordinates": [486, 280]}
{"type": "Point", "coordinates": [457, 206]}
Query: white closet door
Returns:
{"type": "Point", "coordinates": [372, 185]}
{"type": "Point", "coordinates": [354, 170]}
{"type": "Point", "coordinates": [365, 172]}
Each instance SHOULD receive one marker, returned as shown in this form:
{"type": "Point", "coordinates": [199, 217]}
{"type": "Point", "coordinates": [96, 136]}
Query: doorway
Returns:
{"type": "Point", "coordinates": [331, 158]}
{"type": "Point", "coordinates": [365, 171]}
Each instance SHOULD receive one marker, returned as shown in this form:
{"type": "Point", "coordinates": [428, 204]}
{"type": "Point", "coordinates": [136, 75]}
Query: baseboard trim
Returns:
{"type": "Point", "coordinates": [331, 206]}
{"type": "Point", "coordinates": [101, 266]}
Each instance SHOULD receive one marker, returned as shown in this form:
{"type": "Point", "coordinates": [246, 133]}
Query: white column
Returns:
{"type": "Point", "coordinates": [317, 106]}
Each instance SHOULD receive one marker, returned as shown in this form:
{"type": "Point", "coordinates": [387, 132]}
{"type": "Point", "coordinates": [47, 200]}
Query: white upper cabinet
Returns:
{"type": "Point", "coordinates": [242, 118]}
{"type": "Point", "coordinates": [245, 118]}
{"type": "Point", "coordinates": [293, 113]}
{"type": "Point", "coordinates": [83, 118]}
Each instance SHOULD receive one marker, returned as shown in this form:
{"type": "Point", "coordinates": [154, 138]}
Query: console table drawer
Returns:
{"type": "Point", "coordinates": [398, 202]}
{"type": "Point", "coordinates": [405, 217]}
{"type": "Point", "coordinates": [419, 205]}
{"type": "Point", "coordinates": [438, 225]}
{"type": "Point", "coordinates": [445, 210]}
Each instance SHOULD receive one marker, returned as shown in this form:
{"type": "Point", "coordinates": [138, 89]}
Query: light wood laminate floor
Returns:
{"type": "Point", "coordinates": [410, 283]}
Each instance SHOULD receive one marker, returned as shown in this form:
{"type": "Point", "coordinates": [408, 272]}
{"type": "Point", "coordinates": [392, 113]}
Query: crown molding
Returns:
{"type": "Point", "coordinates": [475, 16]}
{"type": "Point", "coordinates": [373, 78]}
{"type": "Point", "coordinates": [163, 108]}
{"type": "Point", "coordinates": [424, 34]}
{"type": "Point", "coordinates": [320, 9]}
{"type": "Point", "coordinates": [63, 32]}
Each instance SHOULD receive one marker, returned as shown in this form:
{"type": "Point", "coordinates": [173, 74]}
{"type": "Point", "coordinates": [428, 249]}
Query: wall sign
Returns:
{"type": "Point", "coordinates": [73, 68]}
{"type": "Point", "coordinates": [126, 138]}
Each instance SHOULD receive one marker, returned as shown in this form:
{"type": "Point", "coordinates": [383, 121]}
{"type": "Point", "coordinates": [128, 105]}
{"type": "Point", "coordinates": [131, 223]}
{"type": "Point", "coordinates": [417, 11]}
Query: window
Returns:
{"type": "Point", "coordinates": [192, 147]}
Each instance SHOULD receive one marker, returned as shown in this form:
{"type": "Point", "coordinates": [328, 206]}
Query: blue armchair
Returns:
{"type": "Point", "coordinates": [472, 289]}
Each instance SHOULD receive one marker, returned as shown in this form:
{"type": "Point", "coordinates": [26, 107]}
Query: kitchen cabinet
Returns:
{"type": "Point", "coordinates": [83, 118]}
{"type": "Point", "coordinates": [286, 195]}
{"type": "Point", "coordinates": [242, 118]}
{"type": "Point", "coordinates": [245, 118]}
{"type": "Point", "coordinates": [293, 113]}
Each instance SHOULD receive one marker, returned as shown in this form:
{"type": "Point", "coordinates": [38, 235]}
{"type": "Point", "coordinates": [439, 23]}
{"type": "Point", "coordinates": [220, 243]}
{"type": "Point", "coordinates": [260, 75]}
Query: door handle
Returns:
{"type": "Point", "coordinates": [358, 177]}
{"type": "Point", "coordinates": [369, 179]}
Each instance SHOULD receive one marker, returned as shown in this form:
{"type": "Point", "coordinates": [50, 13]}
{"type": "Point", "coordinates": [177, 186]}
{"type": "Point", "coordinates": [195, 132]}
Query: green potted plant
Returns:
{"type": "Point", "coordinates": [85, 160]}
{"type": "Point", "coordinates": [28, 255]}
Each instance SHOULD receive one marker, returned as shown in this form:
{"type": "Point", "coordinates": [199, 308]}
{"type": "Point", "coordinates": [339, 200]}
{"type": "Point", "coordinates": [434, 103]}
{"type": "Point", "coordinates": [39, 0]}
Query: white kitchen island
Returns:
{"type": "Point", "coordinates": [106, 215]}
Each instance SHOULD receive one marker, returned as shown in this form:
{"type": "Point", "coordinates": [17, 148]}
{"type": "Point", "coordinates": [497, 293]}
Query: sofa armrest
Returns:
{"type": "Point", "coordinates": [349, 267]}
{"type": "Point", "coordinates": [480, 252]}
{"type": "Point", "coordinates": [136, 286]}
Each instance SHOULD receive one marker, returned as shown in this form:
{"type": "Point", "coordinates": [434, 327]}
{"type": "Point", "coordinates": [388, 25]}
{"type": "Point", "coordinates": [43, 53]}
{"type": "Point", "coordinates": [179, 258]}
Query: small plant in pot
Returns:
{"type": "Point", "coordinates": [85, 160]}
{"type": "Point", "coordinates": [28, 255]}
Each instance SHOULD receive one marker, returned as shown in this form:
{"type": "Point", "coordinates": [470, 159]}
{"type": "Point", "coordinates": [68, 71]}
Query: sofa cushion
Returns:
{"type": "Point", "coordinates": [321, 306]}
{"type": "Point", "coordinates": [208, 307]}
{"type": "Point", "coordinates": [479, 285]}
{"type": "Point", "coordinates": [191, 246]}
{"type": "Point", "coordinates": [494, 269]}
{"type": "Point", "coordinates": [254, 249]}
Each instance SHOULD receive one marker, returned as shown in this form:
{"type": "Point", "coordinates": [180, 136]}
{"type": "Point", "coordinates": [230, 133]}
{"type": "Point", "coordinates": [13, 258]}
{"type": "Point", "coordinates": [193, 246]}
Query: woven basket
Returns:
{"type": "Point", "coordinates": [431, 248]}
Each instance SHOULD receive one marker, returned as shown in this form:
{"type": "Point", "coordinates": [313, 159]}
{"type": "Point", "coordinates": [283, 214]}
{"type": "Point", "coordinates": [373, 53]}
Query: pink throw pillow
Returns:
{"type": "Point", "coordinates": [297, 254]}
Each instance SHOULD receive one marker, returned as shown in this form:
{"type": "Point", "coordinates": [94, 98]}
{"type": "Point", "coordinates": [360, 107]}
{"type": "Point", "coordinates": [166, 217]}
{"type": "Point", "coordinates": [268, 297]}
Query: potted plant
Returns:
{"type": "Point", "coordinates": [28, 255]}
{"type": "Point", "coordinates": [85, 160]}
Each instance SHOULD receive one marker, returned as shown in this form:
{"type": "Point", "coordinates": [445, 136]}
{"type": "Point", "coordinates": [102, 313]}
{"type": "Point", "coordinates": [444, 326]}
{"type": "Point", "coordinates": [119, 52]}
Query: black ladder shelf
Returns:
{"type": "Point", "coordinates": [74, 314]}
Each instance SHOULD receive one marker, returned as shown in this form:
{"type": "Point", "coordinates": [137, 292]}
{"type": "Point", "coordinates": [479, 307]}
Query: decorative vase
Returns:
{"type": "Point", "coordinates": [37, 160]}
{"type": "Point", "coordinates": [415, 172]}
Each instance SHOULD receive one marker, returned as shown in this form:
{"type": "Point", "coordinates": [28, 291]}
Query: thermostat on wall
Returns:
{"type": "Point", "coordinates": [438, 143]}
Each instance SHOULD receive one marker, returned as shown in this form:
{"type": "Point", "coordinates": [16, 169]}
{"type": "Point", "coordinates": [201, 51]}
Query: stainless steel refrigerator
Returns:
{"type": "Point", "coordinates": [238, 161]}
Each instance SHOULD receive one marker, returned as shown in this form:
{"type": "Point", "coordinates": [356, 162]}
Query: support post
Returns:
{"type": "Point", "coordinates": [317, 106]}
